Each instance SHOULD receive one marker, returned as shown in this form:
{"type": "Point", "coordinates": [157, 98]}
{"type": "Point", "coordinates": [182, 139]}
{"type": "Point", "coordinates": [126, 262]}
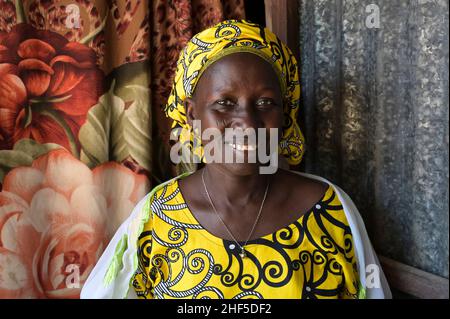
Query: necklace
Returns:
{"type": "Point", "coordinates": [243, 254]}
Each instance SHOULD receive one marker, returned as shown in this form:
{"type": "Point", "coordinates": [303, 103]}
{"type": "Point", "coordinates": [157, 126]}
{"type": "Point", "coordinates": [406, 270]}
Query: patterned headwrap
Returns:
{"type": "Point", "coordinates": [229, 37]}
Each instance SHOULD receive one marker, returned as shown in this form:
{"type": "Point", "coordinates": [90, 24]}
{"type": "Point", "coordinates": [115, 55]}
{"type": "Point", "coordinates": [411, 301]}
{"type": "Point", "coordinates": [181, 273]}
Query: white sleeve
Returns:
{"type": "Point", "coordinates": [111, 276]}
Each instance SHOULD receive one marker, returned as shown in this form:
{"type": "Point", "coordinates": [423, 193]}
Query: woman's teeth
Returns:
{"type": "Point", "coordinates": [243, 147]}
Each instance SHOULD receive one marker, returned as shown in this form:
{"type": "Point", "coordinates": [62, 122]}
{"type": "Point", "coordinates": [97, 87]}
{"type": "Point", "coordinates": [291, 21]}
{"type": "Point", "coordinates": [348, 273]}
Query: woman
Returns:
{"type": "Point", "coordinates": [226, 230]}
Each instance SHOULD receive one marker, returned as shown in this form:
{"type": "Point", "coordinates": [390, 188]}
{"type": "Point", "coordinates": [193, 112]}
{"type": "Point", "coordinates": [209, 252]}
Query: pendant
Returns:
{"type": "Point", "coordinates": [242, 253]}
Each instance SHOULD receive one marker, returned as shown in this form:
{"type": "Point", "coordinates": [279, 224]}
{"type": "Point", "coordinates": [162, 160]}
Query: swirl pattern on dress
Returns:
{"type": "Point", "coordinates": [312, 258]}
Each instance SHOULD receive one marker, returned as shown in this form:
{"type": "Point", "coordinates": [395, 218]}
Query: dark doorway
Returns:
{"type": "Point", "coordinates": [255, 11]}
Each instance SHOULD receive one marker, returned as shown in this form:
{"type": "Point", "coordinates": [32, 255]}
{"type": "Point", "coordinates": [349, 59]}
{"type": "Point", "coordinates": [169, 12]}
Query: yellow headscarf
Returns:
{"type": "Point", "coordinates": [229, 37]}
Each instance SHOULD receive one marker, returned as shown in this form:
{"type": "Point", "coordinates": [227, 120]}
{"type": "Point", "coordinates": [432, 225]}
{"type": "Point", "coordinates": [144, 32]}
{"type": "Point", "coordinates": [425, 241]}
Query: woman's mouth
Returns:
{"type": "Point", "coordinates": [243, 147]}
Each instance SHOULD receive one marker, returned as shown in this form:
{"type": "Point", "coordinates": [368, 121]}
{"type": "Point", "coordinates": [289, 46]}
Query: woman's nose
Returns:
{"type": "Point", "coordinates": [248, 117]}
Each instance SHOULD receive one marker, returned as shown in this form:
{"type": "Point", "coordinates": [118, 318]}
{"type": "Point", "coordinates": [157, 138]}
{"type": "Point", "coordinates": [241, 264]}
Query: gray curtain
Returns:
{"type": "Point", "coordinates": [375, 117]}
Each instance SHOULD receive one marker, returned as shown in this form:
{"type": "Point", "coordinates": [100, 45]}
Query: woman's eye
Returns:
{"type": "Point", "coordinates": [225, 102]}
{"type": "Point", "coordinates": [265, 102]}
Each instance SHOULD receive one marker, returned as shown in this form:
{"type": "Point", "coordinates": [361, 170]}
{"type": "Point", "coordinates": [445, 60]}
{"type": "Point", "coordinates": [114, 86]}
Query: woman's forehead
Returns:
{"type": "Point", "coordinates": [239, 67]}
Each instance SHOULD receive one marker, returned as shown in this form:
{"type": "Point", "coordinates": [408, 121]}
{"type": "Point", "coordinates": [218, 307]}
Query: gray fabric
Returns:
{"type": "Point", "coordinates": [375, 118]}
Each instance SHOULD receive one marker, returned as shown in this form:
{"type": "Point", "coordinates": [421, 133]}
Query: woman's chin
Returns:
{"type": "Point", "coordinates": [241, 169]}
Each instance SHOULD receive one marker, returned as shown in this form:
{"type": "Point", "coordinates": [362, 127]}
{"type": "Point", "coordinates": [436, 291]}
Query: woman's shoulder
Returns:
{"type": "Point", "coordinates": [164, 203]}
{"type": "Point", "coordinates": [300, 185]}
{"type": "Point", "coordinates": [166, 188]}
{"type": "Point", "coordinates": [310, 193]}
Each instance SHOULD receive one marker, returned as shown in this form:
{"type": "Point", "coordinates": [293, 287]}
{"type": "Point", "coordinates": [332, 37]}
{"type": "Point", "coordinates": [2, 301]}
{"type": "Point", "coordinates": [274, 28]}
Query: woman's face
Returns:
{"type": "Point", "coordinates": [239, 91]}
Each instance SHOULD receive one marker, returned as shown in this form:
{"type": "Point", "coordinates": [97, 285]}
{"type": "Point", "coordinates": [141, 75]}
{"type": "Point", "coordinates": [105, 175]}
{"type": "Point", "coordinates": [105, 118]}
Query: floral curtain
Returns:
{"type": "Point", "coordinates": [82, 132]}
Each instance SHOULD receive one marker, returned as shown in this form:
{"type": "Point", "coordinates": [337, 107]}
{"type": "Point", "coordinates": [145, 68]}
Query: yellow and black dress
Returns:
{"type": "Point", "coordinates": [311, 258]}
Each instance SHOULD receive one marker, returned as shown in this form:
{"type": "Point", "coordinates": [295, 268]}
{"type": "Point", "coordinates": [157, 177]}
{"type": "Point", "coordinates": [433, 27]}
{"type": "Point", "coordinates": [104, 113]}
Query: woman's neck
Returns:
{"type": "Point", "coordinates": [234, 190]}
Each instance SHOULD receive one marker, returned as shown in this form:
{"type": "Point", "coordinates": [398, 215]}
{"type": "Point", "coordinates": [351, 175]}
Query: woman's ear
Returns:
{"type": "Point", "coordinates": [190, 110]}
